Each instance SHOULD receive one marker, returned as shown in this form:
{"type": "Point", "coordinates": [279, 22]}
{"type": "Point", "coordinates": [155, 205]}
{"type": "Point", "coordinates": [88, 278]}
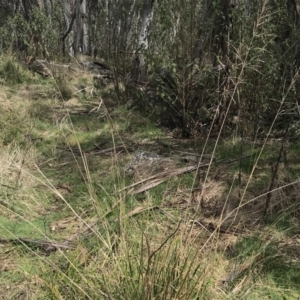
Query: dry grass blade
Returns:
{"type": "Point", "coordinates": [140, 209]}
{"type": "Point", "coordinates": [240, 269]}
{"type": "Point", "coordinates": [149, 185]}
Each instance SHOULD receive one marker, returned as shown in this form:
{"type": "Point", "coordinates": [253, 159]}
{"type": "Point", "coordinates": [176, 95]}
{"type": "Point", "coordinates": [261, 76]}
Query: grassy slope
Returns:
{"type": "Point", "coordinates": [145, 246]}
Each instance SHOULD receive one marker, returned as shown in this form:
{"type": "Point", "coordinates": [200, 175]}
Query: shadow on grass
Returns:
{"type": "Point", "coordinates": [274, 261]}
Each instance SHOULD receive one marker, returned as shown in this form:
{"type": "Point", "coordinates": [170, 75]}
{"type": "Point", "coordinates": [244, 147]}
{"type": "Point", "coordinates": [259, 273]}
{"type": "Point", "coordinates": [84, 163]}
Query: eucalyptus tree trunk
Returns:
{"type": "Point", "coordinates": [293, 8]}
{"type": "Point", "coordinates": [67, 38]}
{"type": "Point", "coordinates": [214, 30]}
{"type": "Point", "coordinates": [48, 8]}
{"type": "Point", "coordinates": [139, 70]}
{"type": "Point", "coordinates": [81, 29]}
{"type": "Point", "coordinates": [212, 46]}
{"type": "Point", "coordinates": [26, 6]}
{"type": "Point", "coordinates": [85, 34]}
{"type": "Point", "coordinates": [78, 48]}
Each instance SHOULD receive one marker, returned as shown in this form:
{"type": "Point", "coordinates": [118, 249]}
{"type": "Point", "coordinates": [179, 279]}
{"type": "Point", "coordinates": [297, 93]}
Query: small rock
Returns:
{"type": "Point", "coordinates": [142, 158]}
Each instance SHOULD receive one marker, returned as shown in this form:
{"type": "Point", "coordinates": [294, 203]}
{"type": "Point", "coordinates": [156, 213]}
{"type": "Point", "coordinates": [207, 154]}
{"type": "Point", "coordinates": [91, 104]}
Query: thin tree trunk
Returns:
{"type": "Point", "coordinates": [78, 48]}
{"type": "Point", "coordinates": [217, 20]}
{"type": "Point", "coordinates": [85, 36]}
{"type": "Point", "coordinates": [68, 37]}
{"type": "Point", "coordinates": [139, 71]}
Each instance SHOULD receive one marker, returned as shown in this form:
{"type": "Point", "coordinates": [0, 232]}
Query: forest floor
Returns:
{"type": "Point", "coordinates": [74, 225]}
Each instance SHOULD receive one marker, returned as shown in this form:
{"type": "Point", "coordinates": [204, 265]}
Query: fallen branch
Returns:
{"type": "Point", "coordinates": [150, 185]}
{"type": "Point", "coordinates": [207, 156]}
{"type": "Point", "coordinates": [163, 176]}
{"type": "Point", "coordinates": [46, 246]}
{"type": "Point", "coordinates": [8, 186]}
{"type": "Point", "coordinates": [49, 246]}
{"type": "Point", "coordinates": [159, 178]}
{"type": "Point", "coordinates": [94, 151]}
{"type": "Point", "coordinates": [166, 174]}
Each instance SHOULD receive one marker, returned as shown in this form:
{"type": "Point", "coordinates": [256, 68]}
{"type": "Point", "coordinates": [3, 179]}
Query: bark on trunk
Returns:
{"type": "Point", "coordinates": [78, 48]}
{"type": "Point", "coordinates": [139, 70]}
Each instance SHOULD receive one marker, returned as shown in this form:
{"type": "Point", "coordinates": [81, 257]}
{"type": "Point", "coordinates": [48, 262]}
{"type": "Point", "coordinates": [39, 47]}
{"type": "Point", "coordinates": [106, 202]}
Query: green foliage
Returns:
{"type": "Point", "coordinates": [15, 33]}
{"type": "Point", "coordinates": [272, 264]}
{"type": "Point", "coordinates": [45, 29]}
{"type": "Point", "coordinates": [259, 58]}
{"type": "Point", "coordinates": [12, 72]}
{"type": "Point", "coordinates": [62, 174]}
{"type": "Point", "coordinates": [37, 37]}
{"type": "Point", "coordinates": [186, 50]}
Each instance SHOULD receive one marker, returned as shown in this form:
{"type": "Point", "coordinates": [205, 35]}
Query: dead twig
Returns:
{"type": "Point", "coordinates": [10, 187]}
{"type": "Point", "coordinates": [96, 152]}
{"type": "Point", "coordinates": [93, 151]}
{"type": "Point", "coordinates": [207, 156]}
{"type": "Point", "coordinates": [46, 246]}
{"type": "Point", "coordinates": [49, 246]}
{"type": "Point", "coordinates": [211, 227]}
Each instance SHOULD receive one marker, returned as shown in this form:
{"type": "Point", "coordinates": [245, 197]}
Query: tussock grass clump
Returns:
{"type": "Point", "coordinates": [64, 88]}
{"type": "Point", "coordinates": [12, 71]}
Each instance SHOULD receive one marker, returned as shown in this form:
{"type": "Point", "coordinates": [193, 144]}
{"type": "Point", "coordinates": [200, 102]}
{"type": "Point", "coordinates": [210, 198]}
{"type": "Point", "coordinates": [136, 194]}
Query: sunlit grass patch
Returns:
{"type": "Point", "coordinates": [148, 131]}
{"type": "Point", "coordinates": [63, 179]}
{"type": "Point", "coordinates": [20, 226]}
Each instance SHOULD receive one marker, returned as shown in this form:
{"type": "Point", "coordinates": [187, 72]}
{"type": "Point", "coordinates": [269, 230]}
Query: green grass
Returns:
{"type": "Point", "coordinates": [150, 245]}
{"type": "Point", "coordinates": [12, 72]}
{"type": "Point", "coordinates": [279, 276]}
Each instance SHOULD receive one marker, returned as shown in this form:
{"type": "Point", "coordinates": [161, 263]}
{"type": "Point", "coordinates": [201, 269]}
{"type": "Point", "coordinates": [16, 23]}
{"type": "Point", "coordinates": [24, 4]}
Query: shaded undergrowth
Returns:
{"type": "Point", "coordinates": [200, 235]}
